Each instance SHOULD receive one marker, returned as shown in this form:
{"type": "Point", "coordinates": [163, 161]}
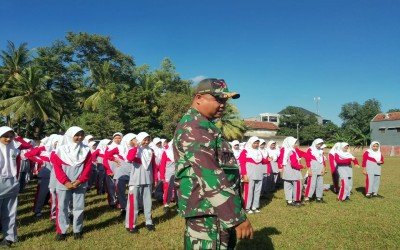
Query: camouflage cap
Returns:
{"type": "Point", "coordinates": [215, 87]}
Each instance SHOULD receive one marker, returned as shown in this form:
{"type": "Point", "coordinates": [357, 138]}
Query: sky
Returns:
{"type": "Point", "coordinates": [274, 53]}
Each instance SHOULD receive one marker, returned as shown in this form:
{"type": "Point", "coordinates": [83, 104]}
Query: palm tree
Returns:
{"type": "Point", "coordinates": [103, 82]}
{"type": "Point", "coordinates": [14, 60]}
{"type": "Point", "coordinates": [30, 97]}
{"type": "Point", "coordinates": [231, 125]}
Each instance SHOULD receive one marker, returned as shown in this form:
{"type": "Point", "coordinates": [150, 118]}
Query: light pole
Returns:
{"type": "Point", "coordinates": [317, 99]}
{"type": "Point", "coordinates": [297, 130]}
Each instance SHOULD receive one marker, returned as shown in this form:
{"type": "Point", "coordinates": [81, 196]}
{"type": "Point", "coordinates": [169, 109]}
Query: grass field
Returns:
{"type": "Point", "coordinates": [359, 224]}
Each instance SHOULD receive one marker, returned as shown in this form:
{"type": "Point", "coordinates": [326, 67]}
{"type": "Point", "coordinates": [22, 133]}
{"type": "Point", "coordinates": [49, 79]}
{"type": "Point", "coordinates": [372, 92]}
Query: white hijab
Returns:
{"type": "Point", "coordinates": [335, 148]}
{"type": "Point", "coordinates": [158, 151]}
{"type": "Point", "coordinates": [170, 151]}
{"type": "Point", "coordinates": [103, 145]}
{"type": "Point", "coordinates": [317, 153]}
{"type": "Point", "coordinates": [236, 152]}
{"type": "Point", "coordinates": [344, 155]}
{"type": "Point", "coordinates": [125, 144]}
{"type": "Point", "coordinates": [377, 155]}
{"type": "Point", "coordinates": [8, 164]}
{"type": "Point", "coordinates": [288, 144]}
{"type": "Point", "coordinates": [71, 153]}
{"type": "Point", "coordinates": [115, 145]}
{"type": "Point", "coordinates": [87, 138]}
{"type": "Point", "coordinates": [252, 153]}
{"type": "Point", "coordinates": [90, 145]}
{"type": "Point", "coordinates": [273, 153]}
{"type": "Point", "coordinates": [144, 153]}
{"type": "Point", "coordinates": [264, 151]}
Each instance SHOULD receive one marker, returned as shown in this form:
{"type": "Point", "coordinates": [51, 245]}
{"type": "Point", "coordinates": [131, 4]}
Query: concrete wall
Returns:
{"type": "Point", "coordinates": [388, 137]}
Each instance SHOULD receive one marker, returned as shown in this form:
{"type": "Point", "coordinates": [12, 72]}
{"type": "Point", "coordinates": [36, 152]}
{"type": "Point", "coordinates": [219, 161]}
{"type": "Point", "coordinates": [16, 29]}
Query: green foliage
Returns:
{"type": "Point", "coordinates": [393, 110]}
{"type": "Point", "coordinates": [356, 120]}
{"type": "Point", "coordinates": [231, 125]}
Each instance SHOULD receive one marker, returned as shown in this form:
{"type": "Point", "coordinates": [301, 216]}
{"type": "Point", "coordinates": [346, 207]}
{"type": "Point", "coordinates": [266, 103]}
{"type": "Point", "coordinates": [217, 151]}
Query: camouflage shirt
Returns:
{"type": "Point", "coordinates": [203, 186]}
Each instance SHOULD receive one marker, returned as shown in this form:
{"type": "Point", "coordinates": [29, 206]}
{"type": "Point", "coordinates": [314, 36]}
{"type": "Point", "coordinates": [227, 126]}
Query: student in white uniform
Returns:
{"type": "Point", "coordinates": [72, 165]}
{"type": "Point", "coordinates": [140, 184]}
{"type": "Point", "coordinates": [273, 154]}
{"type": "Point", "coordinates": [372, 164]}
{"type": "Point", "coordinates": [344, 160]}
{"type": "Point", "coordinates": [316, 170]}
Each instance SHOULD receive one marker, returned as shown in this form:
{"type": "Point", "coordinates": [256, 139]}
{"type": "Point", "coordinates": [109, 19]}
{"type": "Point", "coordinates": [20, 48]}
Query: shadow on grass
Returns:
{"type": "Point", "coordinates": [361, 190]}
{"type": "Point", "coordinates": [96, 212]}
{"type": "Point", "coordinates": [29, 235]}
{"type": "Point", "coordinates": [261, 239]}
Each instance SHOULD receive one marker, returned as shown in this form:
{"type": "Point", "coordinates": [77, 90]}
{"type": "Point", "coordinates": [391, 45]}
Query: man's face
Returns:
{"type": "Point", "coordinates": [6, 138]}
{"type": "Point", "coordinates": [117, 139]}
{"type": "Point", "coordinates": [211, 106]}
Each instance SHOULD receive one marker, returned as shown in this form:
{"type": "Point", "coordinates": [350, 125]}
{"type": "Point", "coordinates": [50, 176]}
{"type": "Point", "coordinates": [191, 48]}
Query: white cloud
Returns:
{"type": "Point", "coordinates": [197, 79]}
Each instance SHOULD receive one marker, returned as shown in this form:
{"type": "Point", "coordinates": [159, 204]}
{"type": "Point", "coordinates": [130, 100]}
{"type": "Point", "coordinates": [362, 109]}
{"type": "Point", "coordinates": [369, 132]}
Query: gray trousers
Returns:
{"type": "Point", "coordinates": [346, 181]}
{"type": "Point", "coordinates": [110, 189]}
{"type": "Point", "coordinates": [53, 206]}
{"type": "Point", "coordinates": [41, 194]}
{"type": "Point", "coordinates": [64, 197]}
{"type": "Point", "coordinates": [292, 190]}
{"type": "Point", "coordinates": [132, 209]}
{"type": "Point", "coordinates": [253, 198]}
{"type": "Point", "coordinates": [121, 194]}
{"type": "Point", "coordinates": [372, 183]}
{"type": "Point", "coordinates": [8, 214]}
{"type": "Point", "coordinates": [315, 183]}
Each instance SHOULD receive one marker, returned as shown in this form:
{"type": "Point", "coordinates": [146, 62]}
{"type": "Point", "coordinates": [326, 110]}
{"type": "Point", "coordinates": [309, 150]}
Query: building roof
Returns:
{"type": "Point", "coordinates": [394, 116]}
{"type": "Point", "coordinates": [261, 125]}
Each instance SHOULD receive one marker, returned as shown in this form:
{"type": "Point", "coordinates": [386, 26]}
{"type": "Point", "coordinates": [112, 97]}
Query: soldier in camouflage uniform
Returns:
{"type": "Point", "coordinates": [207, 175]}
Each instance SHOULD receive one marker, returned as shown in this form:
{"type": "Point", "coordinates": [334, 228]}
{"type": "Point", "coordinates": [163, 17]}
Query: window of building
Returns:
{"type": "Point", "coordinates": [273, 119]}
{"type": "Point", "coordinates": [382, 130]}
{"type": "Point", "coordinates": [392, 129]}
{"type": "Point", "coordinates": [265, 118]}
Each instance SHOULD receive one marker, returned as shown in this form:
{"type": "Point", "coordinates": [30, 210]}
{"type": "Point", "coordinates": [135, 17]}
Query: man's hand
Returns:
{"type": "Point", "coordinates": [244, 230]}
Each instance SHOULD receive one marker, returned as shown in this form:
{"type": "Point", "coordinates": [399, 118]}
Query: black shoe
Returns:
{"type": "Point", "coordinates": [71, 219]}
{"type": "Point", "coordinates": [6, 243]}
{"type": "Point", "coordinates": [133, 231]}
{"type": "Point", "coordinates": [166, 209]}
{"type": "Point", "coordinates": [347, 198]}
{"type": "Point", "coordinates": [78, 236]}
{"type": "Point", "coordinates": [320, 200]}
{"type": "Point", "coordinates": [151, 227]}
{"type": "Point", "coordinates": [368, 196]}
{"type": "Point", "coordinates": [60, 237]}
{"type": "Point", "coordinates": [298, 204]}
{"type": "Point", "coordinates": [123, 213]}
{"type": "Point", "coordinates": [291, 204]}
{"type": "Point", "coordinates": [377, 196]}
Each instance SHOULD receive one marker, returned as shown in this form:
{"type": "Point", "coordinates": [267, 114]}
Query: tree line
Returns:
{"type": "Point", "coordinates": [85, 80]}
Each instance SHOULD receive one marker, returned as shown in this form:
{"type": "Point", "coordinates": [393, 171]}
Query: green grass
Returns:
{"type": "Point", "coordinates": [358, 224]}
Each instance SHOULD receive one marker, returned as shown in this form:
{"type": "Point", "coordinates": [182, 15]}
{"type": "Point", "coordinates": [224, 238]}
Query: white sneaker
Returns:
{"type": "Point", "coordinates": [249, 211]}
{"type": "Point", "coordinates": [256, 210]}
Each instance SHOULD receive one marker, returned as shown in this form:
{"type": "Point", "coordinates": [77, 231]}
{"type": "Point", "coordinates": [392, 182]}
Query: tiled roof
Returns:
{"type": "Point", "coordinates": [394, 116]}
{"type": "Point", "coordinates": [261, 125]}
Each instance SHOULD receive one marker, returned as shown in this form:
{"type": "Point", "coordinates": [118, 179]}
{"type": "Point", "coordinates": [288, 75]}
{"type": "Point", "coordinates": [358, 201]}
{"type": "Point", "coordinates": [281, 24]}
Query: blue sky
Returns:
{"type": "Point", "coordinates": [275, 53]}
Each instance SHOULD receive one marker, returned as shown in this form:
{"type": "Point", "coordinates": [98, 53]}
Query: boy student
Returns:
{"type": "Point", "coordinates": [140, 183]}
{"type": "Point", "coordinates": [72, 165]}
{"type": "Point", "coordinates": [372, 161]}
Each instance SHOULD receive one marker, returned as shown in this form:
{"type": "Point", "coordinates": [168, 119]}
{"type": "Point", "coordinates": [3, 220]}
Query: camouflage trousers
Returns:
{"type": "Point", "coordinates": [205, 232]}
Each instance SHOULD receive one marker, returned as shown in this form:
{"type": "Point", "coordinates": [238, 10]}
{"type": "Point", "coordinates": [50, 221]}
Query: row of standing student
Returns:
{"type": "Point", "coordinates": [65, 166]}
{"type": "Point", "coordinates": [261, 163]}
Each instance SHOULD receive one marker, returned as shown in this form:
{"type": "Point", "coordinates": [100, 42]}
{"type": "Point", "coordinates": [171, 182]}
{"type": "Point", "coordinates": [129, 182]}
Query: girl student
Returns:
{"type": "Point", "coordinates": [333, 167]}
{"type": "Point", "coordinates": [316, 169]}
{"type": "Point", "coordinates": [98, 160]}
{"type": "Point", "coordinates": [25, 170]}
{"type": "Point", "coordinates": [236, 148]}
{"type": "Point", "coordinates": [109, 177]}
{"type": "Point", "coordinates": [10, 147]}
{"type": "Point", "coordinates": [252, 171]}
{"type": "Point", "coordinates": [41, 156]}
{"type": "Point", "coordinates": [140, 183]}
{"type": "Point", "coordinates": [266, 182]}
{"type": "Point", "coordinates": [371, 164]}
{"type": "Point", "coordinates": [344, 159]}
{"type": "Point", "coordinates": [72, 165]}
{"type": "Point", "coordinates": [273, 154]}
{"type": "Point", "coordinates": [289, 162]}
{"type": "Point", "coordinates": [167, 175]}
{"type": "Point", "coordinates": [121, 167]}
